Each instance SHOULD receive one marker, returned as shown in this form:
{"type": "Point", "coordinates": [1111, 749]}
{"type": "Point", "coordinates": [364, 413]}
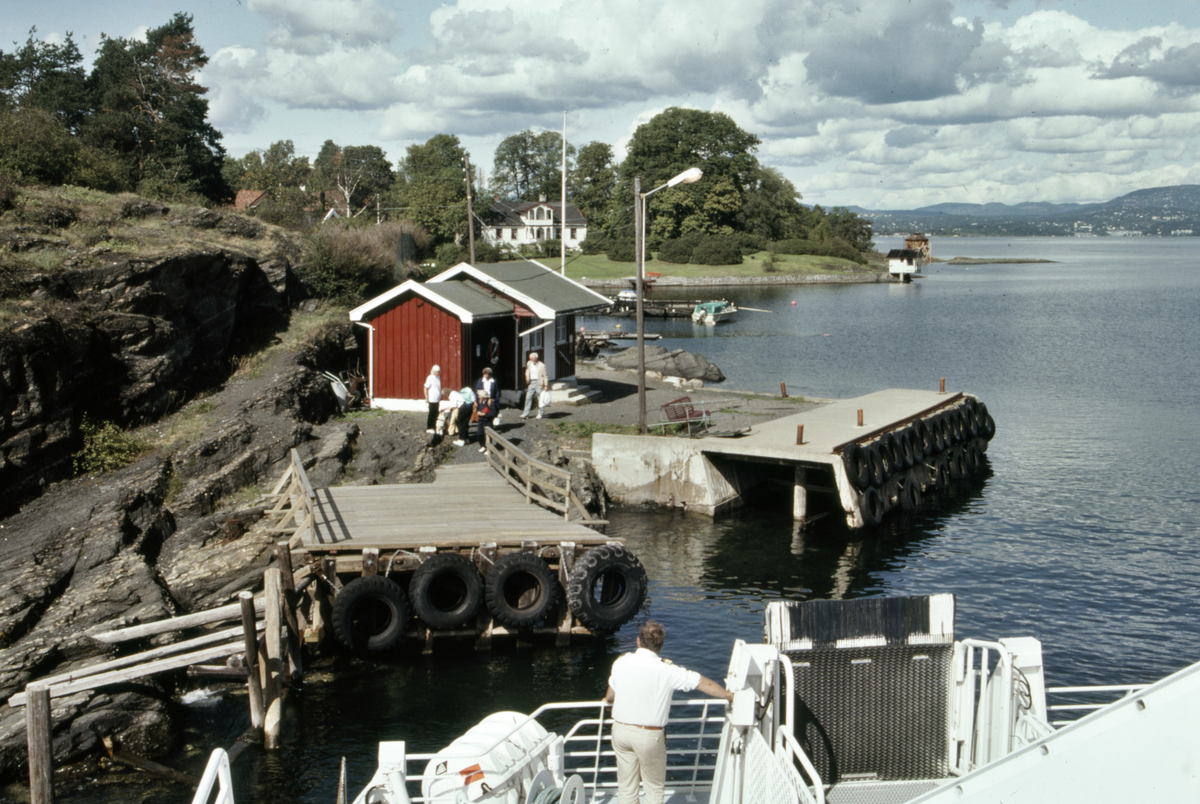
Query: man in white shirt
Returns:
{"type": "Point", "coordinates": [535, 382]}
{"type": "Point", "coordinates": [433, 395]}
{"type": "Point", "coordinates": [640, 690]}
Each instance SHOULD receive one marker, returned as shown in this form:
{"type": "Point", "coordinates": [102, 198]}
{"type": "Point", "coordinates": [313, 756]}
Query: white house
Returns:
{"type": "Point", "coordinates": [518, 223]}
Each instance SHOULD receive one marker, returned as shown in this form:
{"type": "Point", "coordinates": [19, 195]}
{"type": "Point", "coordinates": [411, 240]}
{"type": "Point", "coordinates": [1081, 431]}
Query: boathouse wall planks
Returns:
{"type": "Point", "coordinates": [410, 337]}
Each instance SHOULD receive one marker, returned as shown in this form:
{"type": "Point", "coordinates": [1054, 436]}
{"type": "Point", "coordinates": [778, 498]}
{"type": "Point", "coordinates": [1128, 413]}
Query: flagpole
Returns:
{"type": "Point", "coordinates": [562, 232]}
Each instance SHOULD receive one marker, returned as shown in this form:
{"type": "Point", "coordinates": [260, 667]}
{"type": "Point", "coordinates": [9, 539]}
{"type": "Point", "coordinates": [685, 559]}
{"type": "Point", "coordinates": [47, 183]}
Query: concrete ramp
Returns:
{"type": "Point", "coordinates": [711, 474]}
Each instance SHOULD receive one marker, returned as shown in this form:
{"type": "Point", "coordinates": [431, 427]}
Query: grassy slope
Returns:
{"type": "Point", "coordinates": [598, 266]}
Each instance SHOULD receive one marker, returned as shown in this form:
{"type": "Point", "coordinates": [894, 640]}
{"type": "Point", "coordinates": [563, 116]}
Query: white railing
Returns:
{"type": "Point", "coordinates": [808, 785]}
{"type": "Point", "coordinates": [217, 772]}
{"type": "Point", "coordinates": [1076, 702]}
{"type": "Point", "coordinates": [981, 716]}
{"type": "Point", "coordinates": [693, 734]}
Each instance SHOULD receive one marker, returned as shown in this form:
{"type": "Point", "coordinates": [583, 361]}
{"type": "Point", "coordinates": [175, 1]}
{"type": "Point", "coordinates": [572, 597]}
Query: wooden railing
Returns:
{"type": "Point", "coordinates": [540, 482]}
{"type": "Point", "coordinates": [296, 506]}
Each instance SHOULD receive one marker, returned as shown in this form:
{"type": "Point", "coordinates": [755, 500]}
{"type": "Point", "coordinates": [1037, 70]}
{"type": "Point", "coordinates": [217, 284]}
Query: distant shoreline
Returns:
{"type": "Point", "coordinates": [872, 277]}
{"type": "Point", "coordinates": [992, 260]}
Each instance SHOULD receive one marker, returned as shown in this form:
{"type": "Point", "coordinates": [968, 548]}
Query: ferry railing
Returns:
{"type": "Point", "coordinates": [981, 715]}
{"type": "Point", "coordinates": [1077, 702]}
{"type": "Point", "coordinates": [215, 773]}
{"type": "Point", "coordinates": [585, 748]}
{"type": "Point", "coordinates": [811, 790]}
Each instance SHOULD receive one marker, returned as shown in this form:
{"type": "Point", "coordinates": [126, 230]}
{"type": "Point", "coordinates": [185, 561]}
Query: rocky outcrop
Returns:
{"type": "Point", "coordinates": [677, 363]}
{"type": "Point", "coordinates": [125, 343]}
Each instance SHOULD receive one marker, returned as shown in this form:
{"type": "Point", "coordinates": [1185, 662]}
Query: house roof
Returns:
{"type": "Point", "coordinates": [545, 292]}
{"type": "Point", "coordinates": [904, 254]}
{"type": "Point", "coordinates": [248, 199]}
{"type": "Point", "coordinates": [508, 213]}
{"type": "Point", "coordinates": [465, 299]}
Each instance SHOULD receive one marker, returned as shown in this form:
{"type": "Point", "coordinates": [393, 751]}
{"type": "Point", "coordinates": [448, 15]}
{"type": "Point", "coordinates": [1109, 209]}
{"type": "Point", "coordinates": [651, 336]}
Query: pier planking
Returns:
{"type": "Point", "coordinates": [463, 507]}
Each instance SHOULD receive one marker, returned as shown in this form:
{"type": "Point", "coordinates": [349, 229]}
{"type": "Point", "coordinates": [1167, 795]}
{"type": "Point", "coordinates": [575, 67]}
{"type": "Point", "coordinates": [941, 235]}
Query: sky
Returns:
{"type": "Point", "coordinates": [882, 104]}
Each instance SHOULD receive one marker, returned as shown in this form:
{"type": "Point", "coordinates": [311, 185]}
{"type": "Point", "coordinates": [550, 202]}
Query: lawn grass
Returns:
{"type": "Point", "coordinates": [599, 266]}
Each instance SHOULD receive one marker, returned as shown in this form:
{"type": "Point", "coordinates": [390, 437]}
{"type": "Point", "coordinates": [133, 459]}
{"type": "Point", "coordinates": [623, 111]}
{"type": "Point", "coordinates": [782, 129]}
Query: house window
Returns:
{"type": "Point", "coordinates": [574, 236]}
{"type": "Point", "coordinates": [538, 235]}
{"type": "Point", "coordinates": [538, 214]}
{"type": "Point", "coordinates": [513, 236]}
{"type": "Point", "coordinates": [499, 233]}
{"type": "Point", "coordinates": [562, 329]}
{"type": "Point", "coordinates": [537, 339]}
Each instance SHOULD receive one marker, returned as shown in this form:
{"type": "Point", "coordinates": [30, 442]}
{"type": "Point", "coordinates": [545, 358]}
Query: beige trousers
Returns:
{"type": "Point", "coordinates": [641, 757]}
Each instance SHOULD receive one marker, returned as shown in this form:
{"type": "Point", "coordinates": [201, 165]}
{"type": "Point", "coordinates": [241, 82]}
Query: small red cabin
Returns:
{"type": "Point", "coordinates": [466, 319]}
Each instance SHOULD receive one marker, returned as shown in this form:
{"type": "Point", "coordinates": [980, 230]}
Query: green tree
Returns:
{"type": "Point", "coordinates": [529, 165]}
{"type": "Point", "coordinates": [431, 188]}
{"type": "Point", "coordinates": [851, 227]}
{"type": "Point", "coordinates": [357, 172]}
{"type": "Point", "coordinates": [273, 171]}
{"type": "Point", "coordinates": [593, 181]}
{"type": "Point", "coordinates": [151, 111]}
{"type": "Point", "coordinates": [771, 207]}
{"type": "Point", "coordinates": [36, 147]}
{"type": "Point", "coordinates": [678, 139]}
{"type": "Point", "coordinates": [45, 76]}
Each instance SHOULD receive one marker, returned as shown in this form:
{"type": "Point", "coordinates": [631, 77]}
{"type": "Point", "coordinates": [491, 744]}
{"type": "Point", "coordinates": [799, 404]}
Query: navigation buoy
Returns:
{"type": "Point", "coordinates": [793, 302]}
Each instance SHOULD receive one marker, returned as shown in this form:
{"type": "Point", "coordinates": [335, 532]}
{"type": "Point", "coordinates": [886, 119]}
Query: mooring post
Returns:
{"type": "Point", "coordinates": [860, 418]}
{"type": "Point", "coordinates": [253, 683]}
{"type": "Point", "coordinates": [272, 595]}
{"type": "Point", "coordinates": [942, 386]}
{"type": "Point", "coordinates": [41, 747]}
{"type": "Point", "coordinates": [799, 434]}
{"type": "Point", "coordinates": [783, 390]}
{"type": "Point", "coordinates": [283, 553]}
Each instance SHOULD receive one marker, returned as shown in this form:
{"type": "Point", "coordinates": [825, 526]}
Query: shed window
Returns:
{"type": "Point", "coordinates": [513, 236]}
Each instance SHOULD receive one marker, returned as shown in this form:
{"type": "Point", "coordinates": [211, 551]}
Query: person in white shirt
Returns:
{"type": "Point", "coordinates": [535, 381]}
{"type": "Point", "coordinates": [640, 689]}
{"type": "Point", "coordinates": [433, 395]}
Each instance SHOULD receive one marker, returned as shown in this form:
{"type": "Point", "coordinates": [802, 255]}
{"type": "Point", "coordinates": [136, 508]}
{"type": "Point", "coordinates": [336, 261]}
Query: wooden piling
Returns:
{"type": "Point", "coordinates": [273, 595]}
{"type": "Point", "coordinates": [783, 390]}
{"type": "Point", "coordinates": [942, 386]}
{"type": "Point", "coordinates": [295, 664]}
{"type": "Point", "coordinates": [41, 748]}
{"type": "Point", "coordinates": [253, 682]}
{"type": "Point", "coordinates": [799, 434]}
{"type": "Point", "coordinates": [860, 417]}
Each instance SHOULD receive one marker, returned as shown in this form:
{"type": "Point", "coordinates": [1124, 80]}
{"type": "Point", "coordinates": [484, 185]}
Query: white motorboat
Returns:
{"type": "Point", "coordinates": [714, 312]}
{"type": "Point", "coordinates": [866, 701]}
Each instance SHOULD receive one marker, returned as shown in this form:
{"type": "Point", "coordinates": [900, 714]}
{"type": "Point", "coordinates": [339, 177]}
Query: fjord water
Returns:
{"type": "Point", "coordinates": [1084, 531]}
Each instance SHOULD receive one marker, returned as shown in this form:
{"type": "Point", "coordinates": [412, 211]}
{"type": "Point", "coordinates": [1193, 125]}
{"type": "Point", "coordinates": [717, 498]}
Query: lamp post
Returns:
{"type": "Point", "coordinates": [689, 176]}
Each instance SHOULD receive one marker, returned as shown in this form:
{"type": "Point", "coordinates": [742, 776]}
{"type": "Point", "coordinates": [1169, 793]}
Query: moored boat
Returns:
{"type": "Point", "coordinates": [714, 312]}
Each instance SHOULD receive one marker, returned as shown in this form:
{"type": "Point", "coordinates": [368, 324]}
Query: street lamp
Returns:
{"type": "Point", "coordinates": [689, 176]}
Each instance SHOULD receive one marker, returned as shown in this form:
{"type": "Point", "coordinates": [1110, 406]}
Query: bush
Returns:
{"type": "Point", "coordinates": [595, 244]}
{"type": "Point", "coordinates": [836, 247]}
{"type": "Point", "coordinates": [797, 246]}
{"type": "Point", "coordinates": [450, 255]}
{"type": "Point", "coordinates": [105, 447]}
{"type": "Point", "coordinates": [36, 147]}
{"type": "Point", "coordinates": [769, 264]}
{"type": "Point", "coordinates": [341, 262]}
{"type": "Point", "coordinates": [8, 193]}
{"type": "Point", "coordinates": [621, 250]}
{"type": "Point", "coordinates": [750, 243]}
{"type": "Point", "coordinates": [679, 250]}
{"type": "Point", "coordinates": [717, 250]}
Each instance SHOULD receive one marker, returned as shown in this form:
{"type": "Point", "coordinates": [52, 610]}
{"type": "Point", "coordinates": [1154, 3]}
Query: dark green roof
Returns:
{"type": "Point", "coordinates": [471, 297]}
{"type": "Point", "coordinates": [549, 288]}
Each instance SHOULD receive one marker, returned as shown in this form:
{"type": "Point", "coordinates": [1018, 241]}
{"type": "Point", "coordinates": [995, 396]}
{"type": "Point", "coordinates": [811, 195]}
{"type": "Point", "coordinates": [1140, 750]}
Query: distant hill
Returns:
{"type": "Point", "coordinates": [1155, 211]}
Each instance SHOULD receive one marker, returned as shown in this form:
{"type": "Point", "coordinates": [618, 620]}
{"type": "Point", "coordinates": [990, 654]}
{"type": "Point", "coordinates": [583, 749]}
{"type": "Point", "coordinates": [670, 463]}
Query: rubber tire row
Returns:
{"type": "Point", "coordinates": [605, 589]}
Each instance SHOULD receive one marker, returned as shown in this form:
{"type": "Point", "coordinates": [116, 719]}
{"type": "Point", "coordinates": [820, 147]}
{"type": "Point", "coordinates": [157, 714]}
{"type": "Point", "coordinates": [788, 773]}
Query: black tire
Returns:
{"type": "Point", "coordinates": [974, 458]}
{"type": "Point", "coordinates": [935, 433]}
{"type": "Point", "coordinates": [872, 506]}
{"type": "Point", "coordinates": [520, 590]}
{"type": "Point", "coordinates": [446, 591]}
{"type": "Point", "coordinates": [987, 426]}
{"type": "Point", "coordinates": [370, 614]}
{"type": "Point", "coordinates": [910, 492]}
{"type": "Point", "coordinates": [947, 424]}
{"type": "Point", "coordinates": [908, 448]}
{"type": "Point", "coordinates": [942, 470]}
{"type": "Point", "coordinates": [857, 465]}
{"type": "Point", "coordinates": [875, 462]}
{"type": "Point", "coordinates": [922, 438]}
{"type": "Point", "coordinates": [954, 461]}
{"type": "Point", "coordinates": [606, 588]}
{"type": "Point", "coordinates": [887, 456]}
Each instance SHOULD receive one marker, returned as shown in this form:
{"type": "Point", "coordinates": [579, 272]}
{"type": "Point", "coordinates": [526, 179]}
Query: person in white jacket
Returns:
{"type": "Point", "coordinates": [535, 382]}
{"type": "Point", "coordinates": [433, 395]}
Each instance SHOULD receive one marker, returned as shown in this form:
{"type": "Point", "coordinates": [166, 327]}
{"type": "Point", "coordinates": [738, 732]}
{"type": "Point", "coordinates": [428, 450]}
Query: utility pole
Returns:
{"type": "Point", "coordinates": [470, 211]}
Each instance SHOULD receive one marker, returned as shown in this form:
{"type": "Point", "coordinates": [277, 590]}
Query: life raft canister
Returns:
{"type": "Point", "coordinates": [468, 766]}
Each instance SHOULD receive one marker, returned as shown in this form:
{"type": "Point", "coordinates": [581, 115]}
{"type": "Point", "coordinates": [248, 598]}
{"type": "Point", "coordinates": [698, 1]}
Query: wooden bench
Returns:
{"type": "Point", "coordinates": [682, 411]}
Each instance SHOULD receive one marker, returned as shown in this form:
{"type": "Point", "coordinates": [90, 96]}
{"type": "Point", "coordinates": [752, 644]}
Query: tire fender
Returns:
{"type": "Point", "coordinates": [446, 591]}
{"type": "Point", "coordinates": [520, 590]}
{"type": "Point", "coordinates": [370, 614]}
{"type": "Point", "coordinates": [606, 587]}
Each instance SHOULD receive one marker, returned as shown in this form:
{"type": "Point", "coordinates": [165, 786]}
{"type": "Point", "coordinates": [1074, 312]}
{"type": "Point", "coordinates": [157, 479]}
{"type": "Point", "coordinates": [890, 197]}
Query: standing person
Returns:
{"type": "Point", "coordinates": [535, 381]}
{"type": "Point", "coordinates": [640, 689]}
{"type": "Point", "coordinates": [486, 407]}
{"type": "Point", "coordinates": [433, 395]}
{"type": "Point", "coordinates": [489, 384]}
